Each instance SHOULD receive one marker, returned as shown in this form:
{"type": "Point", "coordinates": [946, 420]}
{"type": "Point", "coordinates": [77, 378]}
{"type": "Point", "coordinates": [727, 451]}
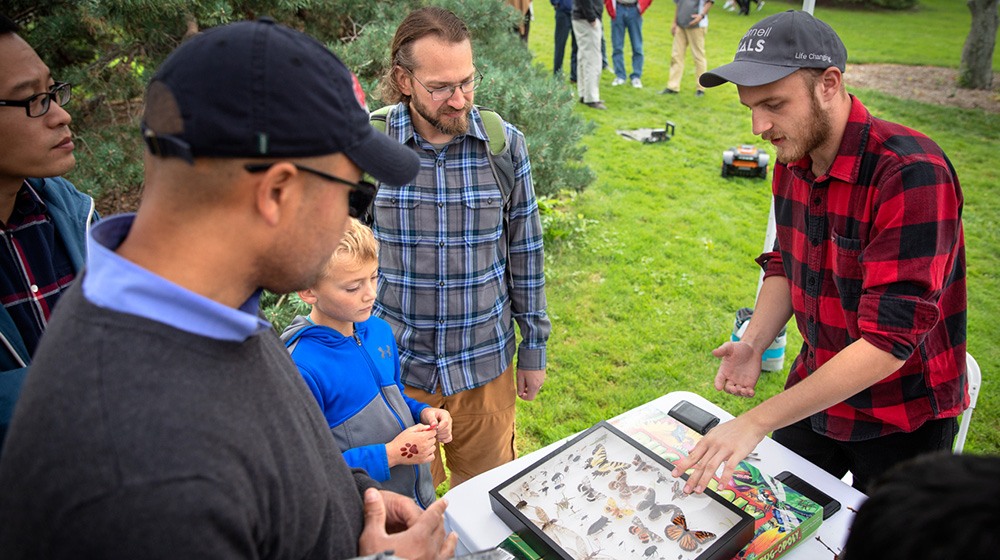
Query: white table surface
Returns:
{"type": "Point", "coordinates": [469, 513]}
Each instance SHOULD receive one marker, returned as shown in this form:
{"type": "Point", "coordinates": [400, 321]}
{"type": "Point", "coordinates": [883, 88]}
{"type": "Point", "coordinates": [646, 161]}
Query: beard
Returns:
{"type": "Point", "coordinates": [452, 126]}
{"type": "Point", "coordinates": [813, 132]}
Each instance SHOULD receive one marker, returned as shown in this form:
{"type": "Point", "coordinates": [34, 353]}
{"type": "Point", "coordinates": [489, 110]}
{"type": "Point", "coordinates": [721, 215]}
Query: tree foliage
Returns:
{"type": "Point", "coordinates": [109, 49]}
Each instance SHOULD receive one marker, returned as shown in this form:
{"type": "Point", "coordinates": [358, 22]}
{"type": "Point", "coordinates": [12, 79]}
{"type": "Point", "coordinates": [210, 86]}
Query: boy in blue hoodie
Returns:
{"type": "Point", "coordinates": [350, 363]}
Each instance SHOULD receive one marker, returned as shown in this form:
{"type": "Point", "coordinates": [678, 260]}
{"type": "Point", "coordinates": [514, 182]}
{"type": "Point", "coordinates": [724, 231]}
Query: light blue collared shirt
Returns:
{"type": "Point", "coordinates": [116, 283]}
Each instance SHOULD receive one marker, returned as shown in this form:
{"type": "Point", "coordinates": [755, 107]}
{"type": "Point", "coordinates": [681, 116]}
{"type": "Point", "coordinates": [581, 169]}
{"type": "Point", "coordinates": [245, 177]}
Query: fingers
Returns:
{"type": "Point", "coordinates": [727, 473]}
{"type": "Point", "coordinates": [401, 511]}
{"type": "Point", "coordinates": [444, 427]}
{"type": "Point", "coordinates": [448, 550]}
{"type": "Point", "coordinates": [444, 433]}
{"type": "Point", "coordinates": [432, 520]}
{"type": "Point", "coordinates": [529, 382]}
{"type": "Point", "coordinates": [723, 350]}
{"type": "Point", "coordinates": [702, 475]}
{"type": "Point", "coordinates": [374, 511]}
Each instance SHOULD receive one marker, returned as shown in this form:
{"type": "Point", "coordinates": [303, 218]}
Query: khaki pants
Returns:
{"type": "Point", "coordinates": [588, 60]}
{"type": "Point", "coordinates": [685, 37]}
{"type": "Point", "coordinates": [482, 428]}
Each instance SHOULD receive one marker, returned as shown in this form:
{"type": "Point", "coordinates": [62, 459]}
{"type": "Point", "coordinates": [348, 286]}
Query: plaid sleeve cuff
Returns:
{"type": "Point", "coordinates": [895, 324]}
{"type": "Point", "coordinates": [771, 263]}
{"type": "Point", "coordinates": [530, 358]}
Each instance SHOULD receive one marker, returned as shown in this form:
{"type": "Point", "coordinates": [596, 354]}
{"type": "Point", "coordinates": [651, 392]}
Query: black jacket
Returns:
{"type": "Point", "coordinates": [589, 10]}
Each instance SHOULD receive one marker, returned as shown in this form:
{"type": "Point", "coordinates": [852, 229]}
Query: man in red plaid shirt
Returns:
{"type": "Point", "coordinates": [869, 259]}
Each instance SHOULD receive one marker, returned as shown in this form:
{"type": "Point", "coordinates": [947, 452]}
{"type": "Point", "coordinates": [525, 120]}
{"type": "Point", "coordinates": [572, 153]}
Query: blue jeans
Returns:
{"type": "Point", "coordinates": [564, 29]}
{"type": "Point", "coordinates": [627, 18]}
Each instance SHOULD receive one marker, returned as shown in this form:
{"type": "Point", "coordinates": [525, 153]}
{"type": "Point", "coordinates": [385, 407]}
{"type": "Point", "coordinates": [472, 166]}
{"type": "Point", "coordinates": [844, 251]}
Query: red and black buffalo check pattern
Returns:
{"type": "Point", "coordinates": [874, 249]}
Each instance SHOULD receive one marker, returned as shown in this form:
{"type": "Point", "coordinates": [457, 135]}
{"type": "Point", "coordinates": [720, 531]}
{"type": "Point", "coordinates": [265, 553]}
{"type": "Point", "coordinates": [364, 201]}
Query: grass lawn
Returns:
{"type": "Point", "coordinates": [650, 285]}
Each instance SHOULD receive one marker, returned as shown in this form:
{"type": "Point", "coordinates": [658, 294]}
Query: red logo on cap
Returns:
{"type": "Point", "coordinates": [359, 93]}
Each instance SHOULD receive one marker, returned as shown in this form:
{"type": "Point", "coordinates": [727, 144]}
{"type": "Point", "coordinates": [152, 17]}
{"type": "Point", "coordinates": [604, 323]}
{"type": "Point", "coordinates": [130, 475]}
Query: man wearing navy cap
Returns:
{"type": "Point", "coordinates": [869, 259]}
{"type": "Point", "coordinates": [163, 417]}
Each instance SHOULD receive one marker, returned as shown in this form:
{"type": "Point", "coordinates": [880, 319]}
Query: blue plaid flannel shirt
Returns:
{"type": "Point", "coordinates": [454, 274]}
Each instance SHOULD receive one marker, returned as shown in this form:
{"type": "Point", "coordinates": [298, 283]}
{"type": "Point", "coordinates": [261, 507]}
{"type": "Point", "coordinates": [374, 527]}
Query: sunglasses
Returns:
{"type": "Point", "coordinates": [360, 198]}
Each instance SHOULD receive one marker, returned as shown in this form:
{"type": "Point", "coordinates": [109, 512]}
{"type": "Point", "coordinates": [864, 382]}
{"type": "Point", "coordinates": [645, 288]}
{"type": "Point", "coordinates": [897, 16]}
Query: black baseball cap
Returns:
{"type": "Point", "coordinates": [778, 45]}
{"type": "Point", "coordinates": [257, 89]}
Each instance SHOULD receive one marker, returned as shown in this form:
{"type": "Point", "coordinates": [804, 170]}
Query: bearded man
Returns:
{"type": "Point", "coordinates": [460, 250]}
{"type": "Point", "coordinates": [869, 258]}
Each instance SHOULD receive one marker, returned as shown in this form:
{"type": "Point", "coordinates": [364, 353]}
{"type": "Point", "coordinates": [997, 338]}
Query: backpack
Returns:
{"type": "Point", "coordinates": [501, 162]}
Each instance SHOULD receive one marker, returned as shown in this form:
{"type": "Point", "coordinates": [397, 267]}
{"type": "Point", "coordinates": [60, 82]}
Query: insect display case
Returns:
{"type": "Point", "coordinates": [602, 495]}
{"type": "Point", "coordinates": [783, 516]}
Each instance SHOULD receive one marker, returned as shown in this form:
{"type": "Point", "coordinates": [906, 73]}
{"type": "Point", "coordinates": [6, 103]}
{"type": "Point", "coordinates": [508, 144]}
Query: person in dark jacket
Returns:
{"type": "Point", "coordinates": [43, 218]}
{"type": "Point", "coordinates": [564, 30]}
{"type": "Point", "coordinates": [163, 418]}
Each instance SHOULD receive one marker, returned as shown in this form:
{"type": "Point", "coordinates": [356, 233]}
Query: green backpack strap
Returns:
{"type": "Point", "coordinates": [501, 162]}
{"type": "Point", "coordinates": [379, 117]}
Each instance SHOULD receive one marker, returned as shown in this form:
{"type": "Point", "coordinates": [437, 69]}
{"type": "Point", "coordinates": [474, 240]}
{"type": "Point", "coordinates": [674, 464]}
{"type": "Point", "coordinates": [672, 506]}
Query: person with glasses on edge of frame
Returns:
{"type": "Point", "coordinates": [461, 259]}
{"type": "Point", "coordinates": [43, 217]}
{"type": "Point", "coordinates": [163, 417]}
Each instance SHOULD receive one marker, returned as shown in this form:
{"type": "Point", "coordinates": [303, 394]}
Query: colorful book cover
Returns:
{"type": "Point", "coordinates": [783, 517]}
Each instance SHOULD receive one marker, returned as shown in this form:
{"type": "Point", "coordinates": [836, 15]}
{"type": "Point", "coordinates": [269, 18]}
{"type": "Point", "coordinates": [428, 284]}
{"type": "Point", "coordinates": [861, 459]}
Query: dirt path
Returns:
{"type": "Point", "coordinates": [928, 84]}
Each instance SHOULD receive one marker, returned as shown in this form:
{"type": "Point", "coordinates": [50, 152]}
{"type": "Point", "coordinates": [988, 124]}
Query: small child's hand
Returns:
{"type": "Point", "coordinates": [413, 446]}
{"type": "Point", "coordinates": [441, 420]}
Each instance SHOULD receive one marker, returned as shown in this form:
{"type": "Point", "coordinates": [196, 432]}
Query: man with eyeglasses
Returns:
{"type": "Point", "coordinates": [163, 417]}
{"type": "Point", "coordinates": [461, 253]}
{"type": "Point", "coordinates": [43, 218]}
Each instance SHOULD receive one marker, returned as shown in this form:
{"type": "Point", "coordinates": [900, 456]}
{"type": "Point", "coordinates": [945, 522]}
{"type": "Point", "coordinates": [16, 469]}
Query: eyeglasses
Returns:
{"type": "Point", "coordinates": [360, 198]}
{"type": "Point", "coordinates": [38, 104]}
{"type": "Point", "coordinates": [442, 93]}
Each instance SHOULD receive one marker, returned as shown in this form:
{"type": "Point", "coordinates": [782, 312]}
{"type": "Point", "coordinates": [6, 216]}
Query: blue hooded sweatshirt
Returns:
{"type": "Point", "coordinates": [356, 381]}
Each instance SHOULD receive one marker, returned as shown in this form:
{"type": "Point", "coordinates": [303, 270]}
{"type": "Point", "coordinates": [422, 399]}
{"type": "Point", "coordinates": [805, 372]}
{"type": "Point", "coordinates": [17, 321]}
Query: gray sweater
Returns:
{"type": "Point", "coordinates": [133, 439]}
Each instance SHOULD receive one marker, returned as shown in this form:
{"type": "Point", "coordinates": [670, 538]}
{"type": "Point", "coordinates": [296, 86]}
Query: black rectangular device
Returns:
{"type": "Point", "coordinates": [694, 417]}
{"type": "Point", "coordinates": [830, 506]}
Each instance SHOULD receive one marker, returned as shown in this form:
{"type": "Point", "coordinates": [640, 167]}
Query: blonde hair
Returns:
{"type": "Point", "coordinates": [358, 245]}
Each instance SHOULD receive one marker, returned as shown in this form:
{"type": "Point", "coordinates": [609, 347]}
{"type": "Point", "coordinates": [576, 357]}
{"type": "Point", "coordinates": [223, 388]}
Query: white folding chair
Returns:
{"type": "Point", "coordinates": [975, 381]}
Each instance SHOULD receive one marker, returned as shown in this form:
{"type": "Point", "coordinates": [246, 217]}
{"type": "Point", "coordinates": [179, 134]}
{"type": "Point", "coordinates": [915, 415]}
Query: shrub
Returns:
{"type": "Point", "coordinates": [525, 95]}
{"type": "Point", "coordinates": [110, 49]}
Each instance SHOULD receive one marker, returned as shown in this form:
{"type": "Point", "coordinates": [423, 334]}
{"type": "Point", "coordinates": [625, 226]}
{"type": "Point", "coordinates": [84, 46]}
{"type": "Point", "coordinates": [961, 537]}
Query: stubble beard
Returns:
{"type": "Point", "coordinates": [815, 131]}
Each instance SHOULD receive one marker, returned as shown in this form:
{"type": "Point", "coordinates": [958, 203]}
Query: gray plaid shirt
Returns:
{"type": "Point", "coordinates": [454, 274]}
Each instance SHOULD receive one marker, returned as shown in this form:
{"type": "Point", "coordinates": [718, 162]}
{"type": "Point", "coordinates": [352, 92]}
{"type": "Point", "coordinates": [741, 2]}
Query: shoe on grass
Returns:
{"type": "Point", "coordinates": [617, 82]}
{"type": "Point", "coordinates": [637, 83]}
{"type": "Point", "coordinates": [699, 93]}
{"type": "Point", "coordinates": [669, 91]}
{"type": "Point", "coordinates": [596, 105]}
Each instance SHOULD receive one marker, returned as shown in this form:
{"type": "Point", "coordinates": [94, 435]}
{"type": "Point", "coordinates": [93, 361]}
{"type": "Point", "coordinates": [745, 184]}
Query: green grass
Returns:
{"type": "Point", "coordinates": [664, 253]}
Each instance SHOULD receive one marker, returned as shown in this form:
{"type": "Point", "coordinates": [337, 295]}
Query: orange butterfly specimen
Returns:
{"type": "Point", "coordinates": [641, 531]}
{"type": "Point", "coordinates": [600, 463]}
{"type": "Point", "coordinates": [619, 512]}
{"type": "Point", "coordinates": [688, 540]}
{"type": "Point", "coordinates": [622, 486]}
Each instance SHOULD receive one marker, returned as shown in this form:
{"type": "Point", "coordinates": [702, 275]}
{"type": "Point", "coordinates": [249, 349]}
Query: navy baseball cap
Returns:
{"type": "Point", "coordinates": [257, 89]}
{"type": "Point", "coordinates": [778, 45]}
